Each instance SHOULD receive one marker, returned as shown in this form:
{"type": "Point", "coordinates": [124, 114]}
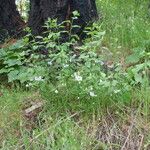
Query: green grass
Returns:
{"type": "Point", "coordinates": [75, 130]}
{"type": "Point", "coordinates": [51, 131]}
{"type": "Point", "coordinates": [101, 123]}
{"type": "Point", "coordinates": [127, 24]}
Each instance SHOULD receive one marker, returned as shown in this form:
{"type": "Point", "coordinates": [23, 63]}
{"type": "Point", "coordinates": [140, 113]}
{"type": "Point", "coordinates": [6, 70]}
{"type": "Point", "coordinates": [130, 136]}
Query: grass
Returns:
{"type": "Point", "coordinates": [104, 123]}
{"type": "Point", "coordinates": [116, 127]}
{"type": "Point", "coordinates": [127, 25]}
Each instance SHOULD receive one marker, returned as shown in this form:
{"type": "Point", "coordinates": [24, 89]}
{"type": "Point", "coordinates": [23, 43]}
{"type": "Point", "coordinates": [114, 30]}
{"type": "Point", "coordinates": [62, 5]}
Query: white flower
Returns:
{"type": "Point", "coordinates": [92, 94]}
{"type": "Point", "coordinates": [66, 65]}
{"type": "Point", "coordinates": [78, 97]}
{"type": "Point", "coordinates": [38, 78]}
{"type": "Point", "coordinates": [56, 91]}
{"type": "Point", "coordinates": [49, 63]}
{"type": "Point", "coordinates": [77, 76]}
{"type": "Point", "coordinates": [116, 91]}
{"type": "Point", "coordinates": [91, 88]}
{"type": "Point", "coordinates": [28, 85]}
{"type": "Point", "coordinates": [100, 81]}
{"type": "Point", "coordinates": [63, 84]}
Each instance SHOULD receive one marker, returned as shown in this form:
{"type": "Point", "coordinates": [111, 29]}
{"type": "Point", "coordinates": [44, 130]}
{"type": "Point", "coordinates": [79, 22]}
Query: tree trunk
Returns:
{"type": "Point", "coordinates": [88, 13]}
{"type": "Point", "coordinates": [10, 20]}
{"type": "Point", "coordinates": [41, 10]}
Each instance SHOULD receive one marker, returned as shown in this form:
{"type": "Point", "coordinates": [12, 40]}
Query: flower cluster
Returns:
{"type": "Point", "coordinates": [38, 78]}
{"type": "Point", "coordinates": [78, 77]}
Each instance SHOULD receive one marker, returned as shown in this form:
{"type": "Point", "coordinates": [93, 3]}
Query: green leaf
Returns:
{"type": "Point", "coordinates": [13, 75]}
{"type": "Point", "coordinates": [5, 70]}
{"type": "Point", "coordinates": [13, 62]}
{"type": "Point", "coordinates": [134, 58]}
{"type": "Point", "coordinates": [138, 78]}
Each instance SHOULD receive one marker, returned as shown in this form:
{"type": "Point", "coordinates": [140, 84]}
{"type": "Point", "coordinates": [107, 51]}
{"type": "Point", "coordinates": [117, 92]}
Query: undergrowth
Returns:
{"type": "Point", "coordinates": [92, 96]}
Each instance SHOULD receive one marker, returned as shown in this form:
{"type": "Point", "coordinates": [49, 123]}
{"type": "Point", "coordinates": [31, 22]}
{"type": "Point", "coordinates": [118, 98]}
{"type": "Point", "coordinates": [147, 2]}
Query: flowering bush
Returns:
{"type": "Point", "coordinates": [67, 68]}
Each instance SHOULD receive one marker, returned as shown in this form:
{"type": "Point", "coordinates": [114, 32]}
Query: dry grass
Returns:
{"type": "Point", "coordinates": [124, 128]}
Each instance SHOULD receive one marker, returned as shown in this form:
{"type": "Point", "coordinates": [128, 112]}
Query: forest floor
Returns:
{"type": "Point", "coordinates": [28, 121]}
{"type": "Point", "coordinates": [32, 119]}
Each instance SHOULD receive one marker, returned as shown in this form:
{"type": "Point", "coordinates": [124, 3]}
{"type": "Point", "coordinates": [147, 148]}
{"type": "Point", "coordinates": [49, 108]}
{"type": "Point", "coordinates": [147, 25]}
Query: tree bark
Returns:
{"type": "Point", "coordinates": [88, 13]}
{"type": "Point", "coordinates": [41, 10]}
{"type": "Point", "coordinates": [10, 19]}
